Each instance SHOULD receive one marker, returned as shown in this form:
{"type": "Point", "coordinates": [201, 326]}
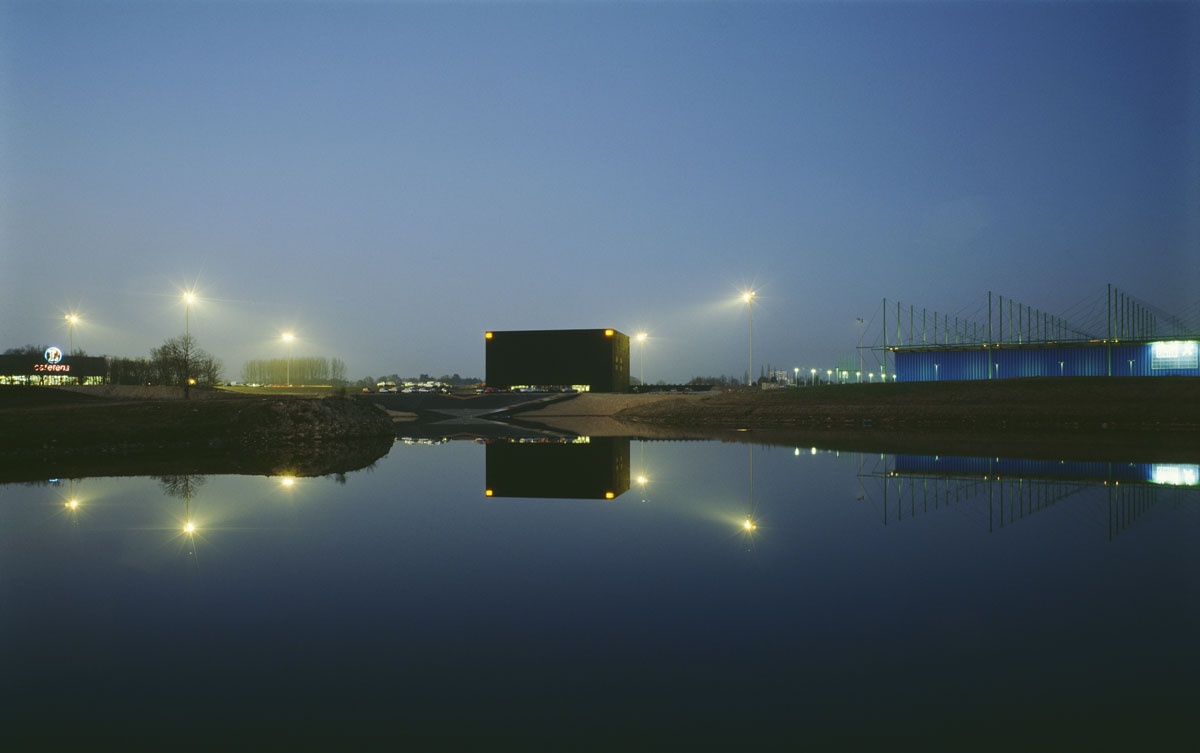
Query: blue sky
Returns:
{"type": "Point", "coordinates": [391, 179]}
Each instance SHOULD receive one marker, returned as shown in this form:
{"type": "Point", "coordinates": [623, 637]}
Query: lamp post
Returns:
{"type": "Point", "coordinates": [72, 320]}
{"type": "Point", "coordinates": [812, 379]}
{"type": "Point", "coordinates": [287, 338]}
{"type": "Point", "coordinates": [641, 338]}
{"type": "Point", "coordinates": [828, 376]}
{"type": "Point", "coordinates": [187, 344]}
{"type": "Point", "coordinates": [860, 357]}
{"type": "Point", "coordinates": [796, 379]}
{"type": "Point", "coordinates": [748, 297]}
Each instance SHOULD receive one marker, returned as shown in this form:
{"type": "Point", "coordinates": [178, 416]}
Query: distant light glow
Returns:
{"type": "Point", "coordinates": [189, 527]}
{"type": "Point", "coordinates": [748, 296]}
{"type": "Point", "coordinates": [641, 336]}
{"type": "Point", "coordinates": [1175, 354]}
{"type": "Point", "coordinates": [1175, 474]}
{"type": "Point", "coordinates": [748, 525]}
{"type": "Point", "coordinates": [287, 481]}
{"type": "Point", "coordinates": [642, 480]}
{"type": "Point", "coordinates": [72, 504]}
{"type": "Point", "coordinates": [288, 337]}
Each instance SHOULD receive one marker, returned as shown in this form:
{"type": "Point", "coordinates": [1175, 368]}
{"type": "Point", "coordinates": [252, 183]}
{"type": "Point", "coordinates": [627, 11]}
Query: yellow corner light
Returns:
{"type": "Point", "coordinates": [487, 493]}
{"type": "Point", "coordinates": [608, 333]}
{"type": "Point", "coordinates": [609, 495]}
{"type": "Point", "coordinates": [487, 335]}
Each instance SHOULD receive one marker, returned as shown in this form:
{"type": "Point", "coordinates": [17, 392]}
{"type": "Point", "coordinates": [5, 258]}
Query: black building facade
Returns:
{"type": "Point", "coordinates": [595, 360]}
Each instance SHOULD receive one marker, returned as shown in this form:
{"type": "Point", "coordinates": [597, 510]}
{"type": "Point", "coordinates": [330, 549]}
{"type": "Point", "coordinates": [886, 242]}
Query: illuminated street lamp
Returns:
{"type": "Point", "coordinates": [72, 320]}
{"type": "Point", "coordinates": [829, 376]}
{"type": "Point", "coordinates": [287, 338]}
{"type": "Point", "coordinates": [748, 297]}
{"type": "Point", "coordinates": [641, 338]}
{"type": "Point", "coordinates": [796, 380]}
{"type": "Point", "coordinates": [813, 377]}
{"type": "Point", "coordinates": [188, 298]}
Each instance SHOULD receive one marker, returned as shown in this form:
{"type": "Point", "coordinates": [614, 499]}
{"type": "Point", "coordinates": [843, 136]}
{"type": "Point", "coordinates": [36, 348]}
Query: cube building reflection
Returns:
{"type": "Point", "coordinates": [584, 468]}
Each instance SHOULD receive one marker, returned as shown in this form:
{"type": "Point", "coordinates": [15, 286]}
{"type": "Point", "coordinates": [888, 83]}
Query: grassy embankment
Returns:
{"type": "Point", "coordinates": [63, 432]}
{"type": "Point", "coordinates": [1126, 416]}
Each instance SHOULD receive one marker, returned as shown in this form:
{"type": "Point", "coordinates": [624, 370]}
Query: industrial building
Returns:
{"type": "Point", "coordinates": [1124, 337]}
{"type": "Point", "coordinates": [595, 360]}
{"type": "Point", "coordinates": [53, 367]}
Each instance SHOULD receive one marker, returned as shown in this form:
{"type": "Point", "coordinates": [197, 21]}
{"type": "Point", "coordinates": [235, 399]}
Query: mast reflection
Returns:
{"type": "Point", "coordinates": [580, 468]}
{"type": "Point", "coordinates": [1015, 489]}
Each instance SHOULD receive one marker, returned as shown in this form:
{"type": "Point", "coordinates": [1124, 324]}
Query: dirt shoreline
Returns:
{"type": "Point", "coordinates": [1155, 419]}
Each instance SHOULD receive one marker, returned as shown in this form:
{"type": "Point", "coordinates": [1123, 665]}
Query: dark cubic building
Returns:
{"type": "Point", "coordinates": [595, 360]}
{"type": "Point", "coordinates": [584, 468]}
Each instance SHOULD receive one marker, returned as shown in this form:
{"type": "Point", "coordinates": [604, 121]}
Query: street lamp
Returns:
{"type": "Point", "coordinates": [935, 368]}
{"type": "Point", "coordinates": [641, 338]}
{"type": "Point", "coordinates": [828, 376]}
{"type": "Point", "coordinates": [188, 297]}
{"type": "Point", "coordinates": [72, 320]}
{"type": "Point", "coordinates": [287, 338]}
{"type": "Point", "coordinates": [748, 297]}
{"type": "Point", "coordinates": [812, 380]}
{"type": "Point", "coordinates": [796, 380]}
{"type": "Point", "coordinates": [860, 353]}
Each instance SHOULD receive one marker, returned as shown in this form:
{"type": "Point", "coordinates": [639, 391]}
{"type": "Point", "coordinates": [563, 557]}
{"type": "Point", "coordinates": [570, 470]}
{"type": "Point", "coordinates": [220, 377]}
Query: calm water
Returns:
{"type": "Point", "coordinates": [869, 597]}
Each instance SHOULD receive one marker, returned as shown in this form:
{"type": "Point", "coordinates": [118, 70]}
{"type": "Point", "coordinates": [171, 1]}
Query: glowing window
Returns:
{"type": "Point", "coordinates": [1175, 475]}
{"type": "Point", "coordinates": [1174, 354]}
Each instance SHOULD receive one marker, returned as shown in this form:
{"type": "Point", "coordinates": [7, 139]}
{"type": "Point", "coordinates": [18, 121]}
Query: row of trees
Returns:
{"type": "Point", "coordinates": [304, 370]}
{"type": "Point", "coordinates": [168, 364]}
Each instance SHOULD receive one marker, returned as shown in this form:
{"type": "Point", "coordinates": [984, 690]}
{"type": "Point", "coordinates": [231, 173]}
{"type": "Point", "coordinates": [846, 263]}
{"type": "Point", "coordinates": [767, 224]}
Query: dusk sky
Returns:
{"type": "Point", "coordinates": [388, 180]}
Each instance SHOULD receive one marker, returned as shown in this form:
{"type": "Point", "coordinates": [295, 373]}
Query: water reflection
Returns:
{"type": "Point", "coordinates": [578, 468]}
{"type": "Point", "coordinates": [369, 603]}
{"type": "Point", "coordinates": [1015, 489]}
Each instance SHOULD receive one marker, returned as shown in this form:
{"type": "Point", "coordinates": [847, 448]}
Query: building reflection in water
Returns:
{"type": "Point", "coordinates": [580, 468]}
{"type": "Point", "coordinates": [1014, 489]}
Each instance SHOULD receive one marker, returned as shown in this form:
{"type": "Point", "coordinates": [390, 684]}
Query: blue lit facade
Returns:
{"type": "Point", "coordinates": [1011, 360]}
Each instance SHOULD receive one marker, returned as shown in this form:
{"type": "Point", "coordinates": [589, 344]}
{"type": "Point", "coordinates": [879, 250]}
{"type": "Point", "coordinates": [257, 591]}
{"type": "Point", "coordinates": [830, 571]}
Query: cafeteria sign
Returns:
{"type": "Point", "coordinates": [53, 362]}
